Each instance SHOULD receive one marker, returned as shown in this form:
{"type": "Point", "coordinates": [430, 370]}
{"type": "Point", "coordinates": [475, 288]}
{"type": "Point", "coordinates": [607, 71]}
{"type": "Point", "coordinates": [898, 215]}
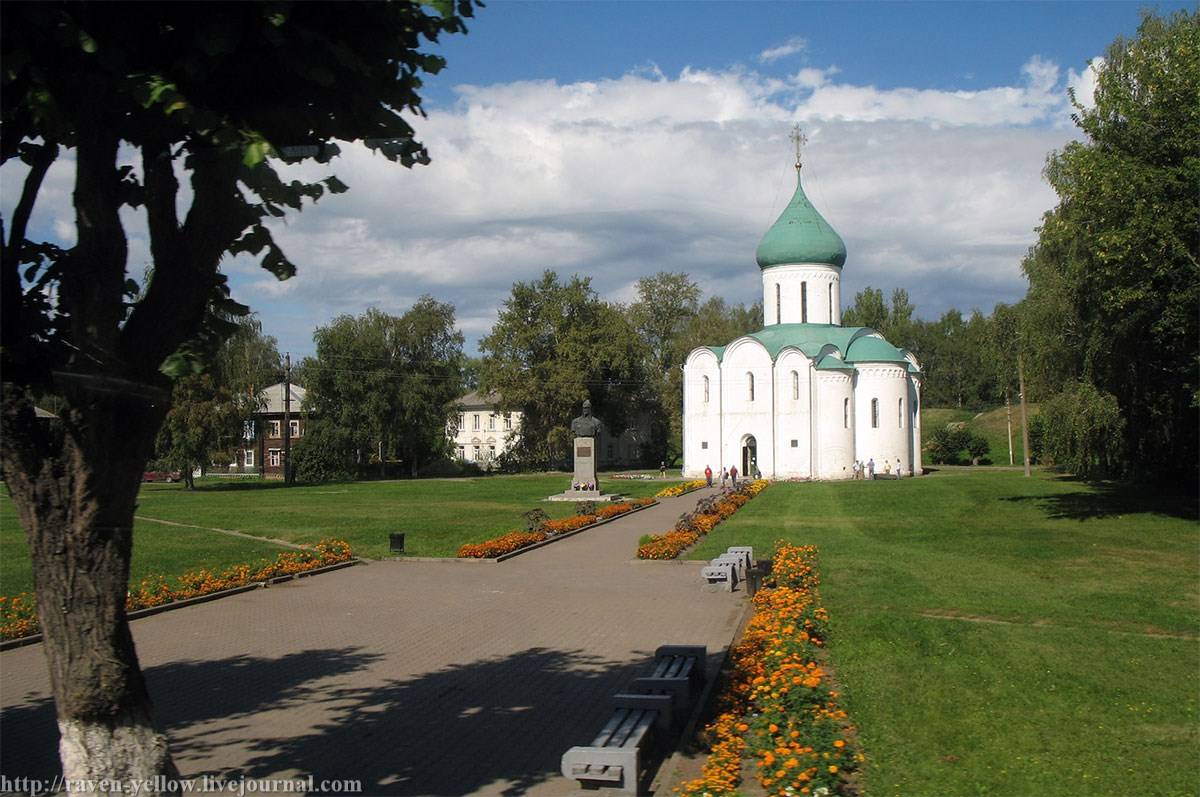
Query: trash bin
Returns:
{"type": "Point", "coordinates": [396, 542]}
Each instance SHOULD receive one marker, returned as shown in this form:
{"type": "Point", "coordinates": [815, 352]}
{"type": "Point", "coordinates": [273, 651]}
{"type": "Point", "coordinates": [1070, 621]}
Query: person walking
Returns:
{"type": "Point", "coordinates": [724, 477]}
{"type": "Point", "coordinates": [662, 469]}
{"type": "Point", "coordinates": [871, 468]}
{"type": "Point", "coordinates": [854, 471]}
{"type": "Point", "coordinates": [899, 469]}
{"type": "Point", "coordinates": [708, 475]}
{"type": "Point", "coordinates": [733, 476]}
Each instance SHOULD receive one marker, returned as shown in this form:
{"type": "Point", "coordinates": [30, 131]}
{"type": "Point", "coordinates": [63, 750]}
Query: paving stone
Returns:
{"type": "Point", "coordinates": [417, 678]}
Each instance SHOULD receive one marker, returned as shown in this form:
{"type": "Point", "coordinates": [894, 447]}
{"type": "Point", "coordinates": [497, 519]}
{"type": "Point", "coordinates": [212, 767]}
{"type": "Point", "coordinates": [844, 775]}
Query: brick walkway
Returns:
{"type": "Point", "coordinates": [417, 678]}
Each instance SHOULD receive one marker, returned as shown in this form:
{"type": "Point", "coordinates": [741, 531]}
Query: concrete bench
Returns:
{"type": "Point", "coordinates": [678, 671]}
{"type": "Point", "coordinates": [717, 572]}
{"type": "Point", "coordinates": [615, 757]}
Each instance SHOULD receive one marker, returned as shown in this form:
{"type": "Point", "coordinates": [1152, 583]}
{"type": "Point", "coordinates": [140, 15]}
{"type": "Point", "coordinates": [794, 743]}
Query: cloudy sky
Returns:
{"type": "Point", "coordinates": [616, 140]}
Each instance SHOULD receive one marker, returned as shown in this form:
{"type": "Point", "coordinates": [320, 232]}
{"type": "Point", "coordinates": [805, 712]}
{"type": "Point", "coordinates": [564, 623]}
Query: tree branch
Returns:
{"type": "Point", "coordinates": [184, 273]}
{"type": "Point", "coordinates": [161, 191]}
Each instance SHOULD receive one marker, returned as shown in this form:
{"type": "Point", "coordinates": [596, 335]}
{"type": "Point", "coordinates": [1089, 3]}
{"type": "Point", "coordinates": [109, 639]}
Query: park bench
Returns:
{"type": "Point", "coordinates": [640, 720]}
{"type": "Point", "coordinates": [716, 572]}
{"type": "Point", "coordinates": [678, 671]}
{"type": "Point", "coordinates": [730, 567]}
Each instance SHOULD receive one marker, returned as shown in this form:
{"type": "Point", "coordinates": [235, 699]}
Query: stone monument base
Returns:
{"type": "Point", "coordinates": [583, 495]}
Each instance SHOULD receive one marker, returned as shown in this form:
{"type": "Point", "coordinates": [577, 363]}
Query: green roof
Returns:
{"type": "Point", "coordinates": [875, 350]}
{"type": "Point", "coordinates": [855, 344]}
{"type": "Point", "coordinates": [801, 235]}
{"type": "Point", "coordinates": [831, 363]}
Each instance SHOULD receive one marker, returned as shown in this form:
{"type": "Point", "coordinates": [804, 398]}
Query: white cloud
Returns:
{"type": "Point", "coordinates": [935, 191]}
{"type": "Point", "coordinates": [1084, 83]}
{"type": "Point", "coordinates": [796, 44]}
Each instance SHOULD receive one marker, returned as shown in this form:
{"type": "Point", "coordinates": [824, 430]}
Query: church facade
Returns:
{"type": "Point", "coordinates": [803, 397]}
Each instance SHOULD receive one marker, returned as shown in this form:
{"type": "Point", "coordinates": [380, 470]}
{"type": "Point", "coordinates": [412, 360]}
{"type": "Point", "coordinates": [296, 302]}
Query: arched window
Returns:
{"type": "Point", "coordinates": [845, 413]}
{"type": "Point", "coordinates": [803, 302]}
{"type": "Point", "coordinates": [874, 413]}
{"type": "Point", "coordinates": [750, 380]}
{"type": "Point", "coordinates": [778, 317]}
{"type": "Point", "coordinates": [706, 390]}
{"type": "Point", "coordinates": [831, 302]}
{"type": "Point", "coordinates": [900, 413]}
{"type": "Point", "coordinates": [795, 386]}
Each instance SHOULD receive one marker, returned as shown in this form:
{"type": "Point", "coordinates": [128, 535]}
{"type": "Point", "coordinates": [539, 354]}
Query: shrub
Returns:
{"type": "Point", "coordinates": [323, 454]}
{"type": "Point", "coordinates": [692, 526]}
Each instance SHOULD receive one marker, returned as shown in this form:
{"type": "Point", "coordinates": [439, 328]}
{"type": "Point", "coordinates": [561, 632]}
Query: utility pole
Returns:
{"type": "Point", "coordinates": [287, 418]}
{"type": "Point", "coordinates": [1024, 414]}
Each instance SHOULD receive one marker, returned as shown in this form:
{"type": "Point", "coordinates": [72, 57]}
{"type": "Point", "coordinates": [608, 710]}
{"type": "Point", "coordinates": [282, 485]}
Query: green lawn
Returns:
{"type": "Point", "coordinates": [437, 516]}
{"type": "Point", "coordinates": [157, 550]}
{"type": "Point", "coordinates": [1003, 635]}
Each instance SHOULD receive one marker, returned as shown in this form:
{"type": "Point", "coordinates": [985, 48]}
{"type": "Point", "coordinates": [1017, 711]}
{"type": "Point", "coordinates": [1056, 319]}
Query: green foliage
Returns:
{"type": "Point", "coordinates": [1081, 430]}
{"type": "Point", "coordinates": [948, 442]}
{"type": "Point", "coordinates": [172, 81]}
{"type": "Point", "coordinates": [325, 453]}
{"type": "Point", "coordinates": [389, 382]}
{"type": "Point", "coordinates": [554, 345]}
{"type": "Point", "coordinates": [205, 421]}
{"type": "Point", "coordinates": [1115, 275]}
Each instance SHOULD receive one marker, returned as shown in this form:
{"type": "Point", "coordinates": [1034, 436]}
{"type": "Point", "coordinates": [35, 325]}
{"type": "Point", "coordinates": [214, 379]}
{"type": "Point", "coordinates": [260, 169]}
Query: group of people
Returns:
{"type": "Point", "coordinates": [867, 470]}
{"type": "Point", "coordinates": [728, 476]}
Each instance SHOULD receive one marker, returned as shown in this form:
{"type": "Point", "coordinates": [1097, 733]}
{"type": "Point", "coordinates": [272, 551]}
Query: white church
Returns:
{"type": "Point", "coordinates": [804, 397]}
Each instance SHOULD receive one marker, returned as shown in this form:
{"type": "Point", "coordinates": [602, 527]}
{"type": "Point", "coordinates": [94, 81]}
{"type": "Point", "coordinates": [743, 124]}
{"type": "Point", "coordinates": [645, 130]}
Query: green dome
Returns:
{"type": "Point", "coordinates": [801, 235]}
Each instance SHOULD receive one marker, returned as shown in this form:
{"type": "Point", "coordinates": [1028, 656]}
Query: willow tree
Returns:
{"type": "Point", "coordinates": [212, 93]}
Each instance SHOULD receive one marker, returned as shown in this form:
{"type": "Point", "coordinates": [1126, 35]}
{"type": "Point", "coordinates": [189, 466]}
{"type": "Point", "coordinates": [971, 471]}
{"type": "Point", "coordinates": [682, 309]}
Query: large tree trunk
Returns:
{"type": "Point", "coordinates": [75, 484]}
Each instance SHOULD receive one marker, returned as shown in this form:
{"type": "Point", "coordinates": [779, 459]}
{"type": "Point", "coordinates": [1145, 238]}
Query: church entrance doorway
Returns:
{"type": "Point", "coordinates": [749, 456]}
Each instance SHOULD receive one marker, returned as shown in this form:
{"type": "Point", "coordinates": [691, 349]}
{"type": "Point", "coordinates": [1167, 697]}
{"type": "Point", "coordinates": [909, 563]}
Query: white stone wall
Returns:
{"type": "Point", "coordinates": [793, 417]}
{"type": "Point", "coordinates": [835, 429]}
{"type": "Point", "coordinates": [744, 417]}
{"type": "Point", "coordinates": [824, 294]}
{"type": "Point", "coordinates": [701, 414]}
{"type": "Point", "coordinates": [887, 383]}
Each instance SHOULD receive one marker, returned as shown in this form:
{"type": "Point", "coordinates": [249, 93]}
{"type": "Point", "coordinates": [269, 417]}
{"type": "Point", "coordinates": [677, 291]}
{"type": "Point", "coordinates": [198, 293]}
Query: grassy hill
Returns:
{"type": "Point", "coordinates": [991, 424]}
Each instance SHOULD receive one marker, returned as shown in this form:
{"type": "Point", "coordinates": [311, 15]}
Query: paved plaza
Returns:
{"type": "Point", "coordinates": [415, 677]}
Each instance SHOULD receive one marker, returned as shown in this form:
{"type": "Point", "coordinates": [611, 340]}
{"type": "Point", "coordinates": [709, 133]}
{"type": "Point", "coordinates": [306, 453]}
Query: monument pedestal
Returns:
{"type": "Point", "coordinates": [584, 450]}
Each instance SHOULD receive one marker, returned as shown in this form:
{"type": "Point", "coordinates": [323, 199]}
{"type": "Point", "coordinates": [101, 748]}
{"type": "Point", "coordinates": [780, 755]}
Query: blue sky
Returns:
{"type": "Point", "coordinates": [616, 140]}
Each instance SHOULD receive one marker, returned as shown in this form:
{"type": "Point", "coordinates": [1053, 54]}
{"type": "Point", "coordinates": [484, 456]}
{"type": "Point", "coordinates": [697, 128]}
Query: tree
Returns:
{"type": "Point", "coordinates": [868, 310]}
{"type": "Point", "coordinates": [212, 92]}
{"type": "Point", "coordinates": [666, 303]}
{"type": "Point", "coordinates": [248, 361]}
{"type": "Point", "coordinates": [555, 344]}
{"type": "Point", "coordinates": [205, 419]}
{"type": "Point", "coordinates": [1117, 262]}
{"type": "Point", "coordinates": [389, 383]}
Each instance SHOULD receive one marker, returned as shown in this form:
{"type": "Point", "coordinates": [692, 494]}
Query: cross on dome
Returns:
{"type": "Point", "coordinates": [799, 139]}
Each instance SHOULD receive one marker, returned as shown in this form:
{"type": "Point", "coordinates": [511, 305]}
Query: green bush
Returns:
{"type": "Point", "coordinates": [324, 454]}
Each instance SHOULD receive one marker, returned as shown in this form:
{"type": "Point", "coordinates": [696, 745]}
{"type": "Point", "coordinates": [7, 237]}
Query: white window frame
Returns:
{"type": "Point", "coordinates": [275, 429]}
{"type": "Point", "coordinates": [294, 428]}
{"type": "Point", "coordinates": [248, 457]}
{"type": "Point", "coordinates": [275, 457]}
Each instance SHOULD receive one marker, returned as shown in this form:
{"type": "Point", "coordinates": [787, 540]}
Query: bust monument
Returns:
{"type": "Point", "coordinates": [586, 429]}
{"type": "Point", "coordinates": [586, 425]}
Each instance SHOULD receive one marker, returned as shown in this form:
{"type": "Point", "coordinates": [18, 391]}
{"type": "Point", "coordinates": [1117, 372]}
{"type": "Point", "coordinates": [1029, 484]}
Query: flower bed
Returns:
{"type": "Point", "coordinates": [778, 706]}
{"type": "Point", "coordinates": [694, 525]}
{"type": "Point", "coordinates": [18, 615]}
{"type": "Point", "coordinates": [547, 529]}
{"type": "Point", "coordinates": [680, 489]}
